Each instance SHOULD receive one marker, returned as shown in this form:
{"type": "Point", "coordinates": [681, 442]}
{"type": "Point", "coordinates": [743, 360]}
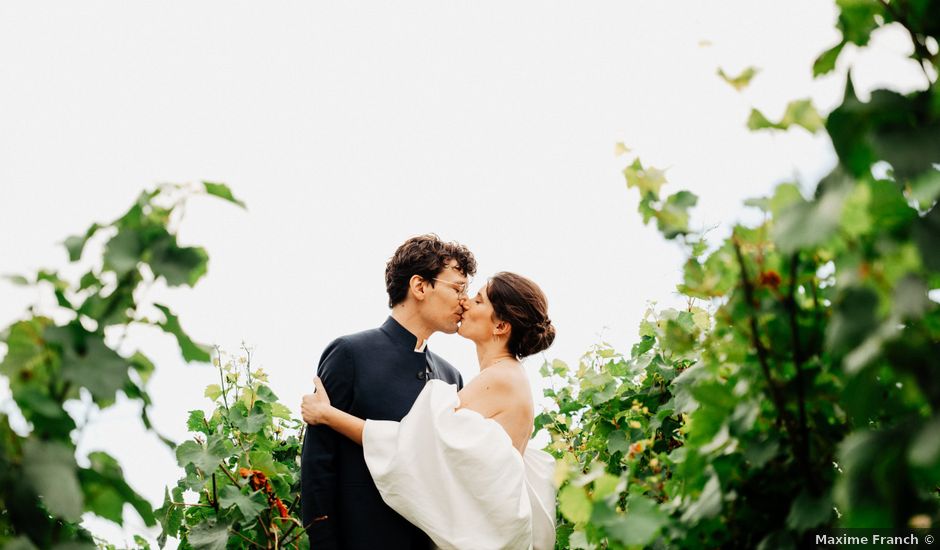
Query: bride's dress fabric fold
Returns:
{"type": "Point", "coordinates": [457, 476]}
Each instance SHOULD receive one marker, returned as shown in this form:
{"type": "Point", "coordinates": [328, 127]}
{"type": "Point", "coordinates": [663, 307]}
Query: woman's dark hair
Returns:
{"type": "Point", "coordinates": [522, 304]}
{"type": "Point", "coordinates": [425, 256]}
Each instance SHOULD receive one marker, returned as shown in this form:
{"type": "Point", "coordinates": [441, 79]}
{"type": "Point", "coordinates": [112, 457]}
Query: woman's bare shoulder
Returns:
{"type": "Point", "coordinates": [494, 388]}
{"type": "Point", "coordinates": [501, 379]}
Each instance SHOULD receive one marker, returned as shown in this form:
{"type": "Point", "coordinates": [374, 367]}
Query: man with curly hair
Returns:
{"type": "Point", "coordinates": [378, 374]}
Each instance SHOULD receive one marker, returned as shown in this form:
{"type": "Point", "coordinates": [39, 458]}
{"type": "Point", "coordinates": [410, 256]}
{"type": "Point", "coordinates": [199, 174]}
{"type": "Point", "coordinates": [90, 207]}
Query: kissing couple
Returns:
{"type": "Point", "coordinates": [399, 454]}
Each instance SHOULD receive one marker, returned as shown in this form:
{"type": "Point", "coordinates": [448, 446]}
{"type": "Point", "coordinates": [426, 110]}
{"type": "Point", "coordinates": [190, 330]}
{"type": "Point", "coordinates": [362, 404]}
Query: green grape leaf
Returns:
{"type": "Point", "coordinates": [856, 219]}
{"type": "Point", "coordinates": [899, 129]}
{"type": "Point", "coordinates": [644, 345]}
{"type": "Point", "coordinates": [205, 456]}
{"type": "Point", "coordinates": [617, 442]}
{"type": "Point", "coordinates": [708, 503]}
{"type": "Point", "coordinates": [265, 395]}
{"type": "Point", "coordinates": [191, 350]}
{"type": "Point", "coordinates": [100, 499]}
{"type": "Point", "coordinates": [209, 535]}
{"type": "Point", "coordinates": [26, 355]}
{"type": "Point", "coordinates": [857, 19]}
{"type": "Point", "coordinates": [848, 128]}
{"type": "Point", "coordinates": [222, 191]}
{"type": "Point", "coordinates": [673, 218]}
{"type": "Point", "coordinates": [805, 224]}
{"type": "Point", "coordinates": [925, 189]}
{"type": "Point", "coordinates": [76, 243]}
{"type": "Point", "coordinates": [640, 524]}
{"type": "Point", "coordinates": [143, 365]}
{"type": "Point", "coordinates": [249, 505]}
{"type": "Point", "coordinates": [888, 207]}
{"type": "Point", "coordinates": [192, 480]}
{"type": "Point", "coordinates": [914, 150]}
{"type": "Point", "coordinates": [826, 61]}
{"type": "Point", "coordinates": [21, 542]}
{"type": "Point", "coordinates": [927, 237]}
{"type": "Point", "coordinates": [96, 367]}
{"type": "Point", "coordinates": [89, 280]}
{"type": "Point", "coordinates": [248, 422]}
{"type": "Point", "coordinates": [106, 492]}
{"type": "Point", "coordinates": [853, 320]}
{"type": "Point", "coordinates": [785, 195]}
{"type": "Point", "coordinates": [178, 265]}
{"type": "Point", "coordinates": [123, 252]}
{"type": "Point", "coordinates": [759, 453]}
{"type": "Point", "coordinates": [263, 462]}
{"type": "Point", "coordinates": [910, 297]}
{"type": "Point", "coordinates": [807, 511]}
{"type": "Point", "coordinates": [45, 413]}
{"type": "Point", "coordinates": [279, 410]}
{"type": "Point", "coordinates": [925, 447]}
{"type": "Point", "coordinates": [196, 422]}
{"type": "Point", "coordinates": [111, 309]}
{"type": "Point", "coordinates": [49, 467]}
{"type": "Point", "coordinates": [170, 517]}
{"type": "Point", "coordinates": [714, 394]}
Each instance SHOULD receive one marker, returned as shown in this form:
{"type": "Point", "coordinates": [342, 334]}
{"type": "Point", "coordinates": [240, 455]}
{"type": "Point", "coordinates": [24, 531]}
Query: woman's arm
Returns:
{"type": "Point", "coordinates": [316, 410]}
{"type": "Point", "coordinates": [346, 424]}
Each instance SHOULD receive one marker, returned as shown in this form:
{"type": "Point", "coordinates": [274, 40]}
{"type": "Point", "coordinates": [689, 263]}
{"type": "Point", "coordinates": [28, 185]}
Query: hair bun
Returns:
{"type": "Point", "coordinates": [538, 338]}
{"type": "Point", "coordinates": [520, 302]}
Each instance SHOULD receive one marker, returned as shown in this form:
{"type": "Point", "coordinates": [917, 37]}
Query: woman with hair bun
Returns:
{"type": "Point", "coordinates": [457, 465]}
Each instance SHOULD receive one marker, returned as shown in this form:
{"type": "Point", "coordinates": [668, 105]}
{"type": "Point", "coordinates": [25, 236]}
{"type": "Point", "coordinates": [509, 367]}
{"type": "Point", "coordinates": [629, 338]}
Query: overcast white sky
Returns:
{"type": "Point", "coordinates": [348, 127]}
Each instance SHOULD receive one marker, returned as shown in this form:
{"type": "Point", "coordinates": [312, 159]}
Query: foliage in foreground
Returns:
{"type": "Point", "coordinates": [795, 391]}
{"type": "Point", "coordinates": [73, 359]}
{"type": "Point", "coordinates": [798, 389]}
{"type": "Point", "coordinates": [243, 463]}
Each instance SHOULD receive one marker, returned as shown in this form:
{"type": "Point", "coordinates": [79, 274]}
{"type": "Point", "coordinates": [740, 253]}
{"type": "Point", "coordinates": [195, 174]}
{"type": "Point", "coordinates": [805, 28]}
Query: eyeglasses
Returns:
{"type": "Point", "coordinates": [461, 288]}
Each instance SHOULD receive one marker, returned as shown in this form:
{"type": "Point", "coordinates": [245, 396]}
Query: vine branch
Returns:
{"type": "Point", "coordinates": [799, 360]}
{"type": "Point", "coordinates": [755, 336]}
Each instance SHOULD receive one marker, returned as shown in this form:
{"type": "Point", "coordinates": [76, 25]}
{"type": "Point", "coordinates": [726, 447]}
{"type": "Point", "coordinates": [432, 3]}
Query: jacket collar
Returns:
{"type": "Point", "coordinates": [401, 335]}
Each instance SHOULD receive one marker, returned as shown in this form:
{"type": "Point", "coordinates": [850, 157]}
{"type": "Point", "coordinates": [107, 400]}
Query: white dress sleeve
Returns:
{"type": "Point", "coordinates": [457, 476]}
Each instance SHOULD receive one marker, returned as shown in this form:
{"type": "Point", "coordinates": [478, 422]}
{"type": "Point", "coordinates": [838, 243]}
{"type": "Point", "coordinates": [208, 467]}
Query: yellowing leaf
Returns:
{"type": "Point", "coordinates": [799, 113]}
{"type": "Point", "coordinates": [574, 504]}
{"type": "Point", "coordinates": [802, 113]}
{"type": "Point", "coordinates": [742, 80]}
{"type": "Point", "coordinates": [647, 180]}
{"type": "Point", "coordinates": [605, 485]}
{"type": "Point", "coordinates": [213, 391]}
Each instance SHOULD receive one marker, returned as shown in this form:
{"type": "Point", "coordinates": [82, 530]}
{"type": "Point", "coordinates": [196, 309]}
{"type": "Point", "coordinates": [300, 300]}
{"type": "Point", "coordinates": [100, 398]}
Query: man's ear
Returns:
{"type": "Point", "coordinates": [418, 287]}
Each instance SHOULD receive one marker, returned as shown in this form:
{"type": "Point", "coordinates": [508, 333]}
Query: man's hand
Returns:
{"type": "Point", "coordinates": [315, 407]}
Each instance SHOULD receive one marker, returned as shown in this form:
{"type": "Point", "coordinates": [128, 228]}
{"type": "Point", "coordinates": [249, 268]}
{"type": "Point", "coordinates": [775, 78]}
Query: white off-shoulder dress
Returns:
{"type": "Point", "coordinates": [457, 476]}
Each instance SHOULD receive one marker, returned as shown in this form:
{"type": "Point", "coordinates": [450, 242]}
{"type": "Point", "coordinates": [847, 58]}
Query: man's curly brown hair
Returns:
{"type": "Point", "coordinates": [425, 256]}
